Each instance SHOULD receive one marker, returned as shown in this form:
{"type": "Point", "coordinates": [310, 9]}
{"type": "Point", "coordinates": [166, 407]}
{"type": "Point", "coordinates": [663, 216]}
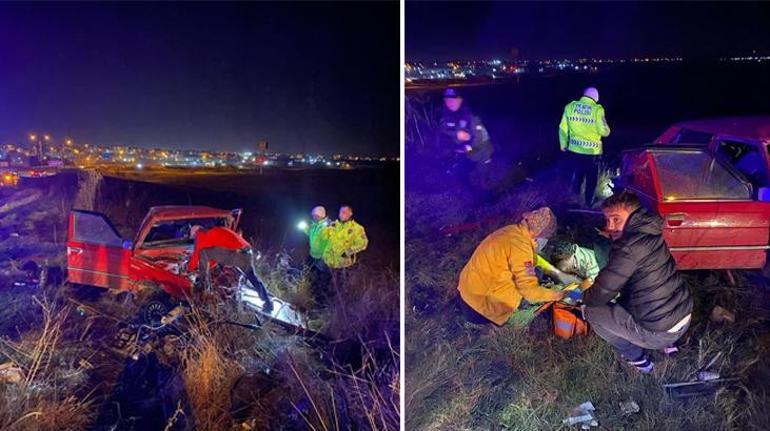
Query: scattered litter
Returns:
{"type": "Point", "coordinates": [693, 389]}
{"type": "Point", "coordinates": [629, 408]}
{"type": "Point", "coordinates": [706, 376]}
{"type": "Point", "coordinates": [583, 415]}
{"type": "Point", "coordinates": [721, 315]}
{"type": "Point", "coordinates": [10, 373]}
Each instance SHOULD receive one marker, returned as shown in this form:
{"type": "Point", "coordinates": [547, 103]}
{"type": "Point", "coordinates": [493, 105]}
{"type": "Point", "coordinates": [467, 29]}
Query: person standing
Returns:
{"type": "Point", "coordinates": [318, 234]}
{"type": "Point", "coordinates": [582, 127]}
{"type": "Point", "coordinates": [463, 142]}
{"type": "Point", "coordinates": [347, 238]}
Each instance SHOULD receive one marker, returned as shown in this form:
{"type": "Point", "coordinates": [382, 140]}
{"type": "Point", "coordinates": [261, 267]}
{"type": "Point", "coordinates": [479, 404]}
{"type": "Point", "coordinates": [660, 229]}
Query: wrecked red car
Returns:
{"type": "Point", "coordinates": [743, 142]}
{"type": "Point", "coordinates": [712, 218]}
{"type": "Point", "coordinates": [156, 259]}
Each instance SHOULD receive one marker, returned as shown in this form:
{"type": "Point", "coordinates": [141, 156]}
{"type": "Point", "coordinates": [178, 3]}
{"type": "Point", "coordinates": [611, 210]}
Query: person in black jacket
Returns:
{"type": "Point", "coordinates": [463, 142]}
{"type": "Point", "coordinates": [653, 304]}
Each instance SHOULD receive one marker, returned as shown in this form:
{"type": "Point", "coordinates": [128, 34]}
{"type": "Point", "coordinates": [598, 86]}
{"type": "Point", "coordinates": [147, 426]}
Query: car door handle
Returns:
{"type": "Point", "coordinates": [74, 250]}
{"type": "Point", "coordinates": [674, 219]}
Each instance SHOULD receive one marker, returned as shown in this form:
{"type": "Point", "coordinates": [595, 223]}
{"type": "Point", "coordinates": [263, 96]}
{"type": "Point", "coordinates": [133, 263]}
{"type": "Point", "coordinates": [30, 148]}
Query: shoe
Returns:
{"type": "Point", "coordinates": [644, 365]}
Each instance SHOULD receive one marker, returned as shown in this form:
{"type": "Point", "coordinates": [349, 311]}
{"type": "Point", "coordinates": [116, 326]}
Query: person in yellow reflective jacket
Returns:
{"type": "Point", "coordinates": [501, 271]}
{"type": "Point", "coordinates": [582, 127]}
{"type": "Point", "coordinates": [347, 238]}
{"type": "Point", "coordinates": [318, 232]}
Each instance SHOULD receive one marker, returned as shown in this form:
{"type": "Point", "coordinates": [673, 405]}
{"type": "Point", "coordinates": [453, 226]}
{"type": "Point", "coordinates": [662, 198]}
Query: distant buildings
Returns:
{"type": "Point", "coordinates": [414, 72]}
{"type": "Point", "coordinates": [71, 153]}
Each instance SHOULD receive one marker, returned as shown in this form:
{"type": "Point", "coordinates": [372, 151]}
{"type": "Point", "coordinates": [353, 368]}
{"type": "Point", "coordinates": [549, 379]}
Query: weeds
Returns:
{"type": "Point", "coordinates": [460, 376]}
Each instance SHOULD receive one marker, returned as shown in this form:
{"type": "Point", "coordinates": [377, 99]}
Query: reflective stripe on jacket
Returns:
{"type": "Point", "coordinates": [582, 127]}
{"type": "Point", "coordinates": [346, 239]}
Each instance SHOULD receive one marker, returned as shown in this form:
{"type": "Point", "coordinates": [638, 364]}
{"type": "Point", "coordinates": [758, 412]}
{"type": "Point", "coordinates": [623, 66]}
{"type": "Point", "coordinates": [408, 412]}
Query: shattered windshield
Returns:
{"type": "Point", "coordinates": [697, 176]}
{"type": "Point", "coordinates": [177, 232]}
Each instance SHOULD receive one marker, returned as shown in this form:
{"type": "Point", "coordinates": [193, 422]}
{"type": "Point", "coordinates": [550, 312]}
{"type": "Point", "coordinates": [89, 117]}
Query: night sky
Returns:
{"type": "Point", "coordinates": [462, 30]}
{"type": "Point", "coordinates": [307, 77]}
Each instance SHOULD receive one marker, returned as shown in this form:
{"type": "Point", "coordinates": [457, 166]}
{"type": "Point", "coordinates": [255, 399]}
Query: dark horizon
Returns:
{"type": "Point", "coordinates": [441, 31]}
{"type": "Point", "coordinates": [308, 77]}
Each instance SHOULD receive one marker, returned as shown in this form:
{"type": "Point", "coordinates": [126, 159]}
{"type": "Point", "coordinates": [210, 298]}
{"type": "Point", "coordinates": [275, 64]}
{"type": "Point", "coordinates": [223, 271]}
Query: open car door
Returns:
{"type": "Point", "coordinates": [96, 255]}
{"type": "Point", "coordinates": [710, 220]}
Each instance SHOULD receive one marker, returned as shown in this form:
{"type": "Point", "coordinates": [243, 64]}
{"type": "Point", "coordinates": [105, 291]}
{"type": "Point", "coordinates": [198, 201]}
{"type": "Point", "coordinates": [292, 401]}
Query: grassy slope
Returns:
{"type": "Point", "coordinates": [459, 376]}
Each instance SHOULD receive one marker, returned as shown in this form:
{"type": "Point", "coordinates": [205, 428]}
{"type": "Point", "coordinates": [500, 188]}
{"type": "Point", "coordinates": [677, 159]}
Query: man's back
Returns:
{"type": "Point", "coordinates": [582, 127]}
{"type": "Point", "coordinates": [216, 237]}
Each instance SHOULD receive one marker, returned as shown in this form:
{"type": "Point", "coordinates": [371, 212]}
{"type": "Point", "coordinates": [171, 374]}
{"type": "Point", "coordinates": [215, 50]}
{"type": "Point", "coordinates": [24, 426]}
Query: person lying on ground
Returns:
{"type": "Point", "coordinates": [576, 260]}
{"type": "Point", "coordinates": [220, 245]}
{"type": "Point", "coordinates": [501, 272]}
{"type": "Point", "coordinates": [654, 306]}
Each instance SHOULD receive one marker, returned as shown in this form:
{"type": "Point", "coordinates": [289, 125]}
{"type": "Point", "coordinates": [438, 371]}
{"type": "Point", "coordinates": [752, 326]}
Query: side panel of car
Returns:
{"type": "Point", "coordinates": [95, 253]}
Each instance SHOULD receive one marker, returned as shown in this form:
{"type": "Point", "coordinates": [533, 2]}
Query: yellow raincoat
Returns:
{"type": "Point", "coordinates": [346, 240]}
{"type": "Point", "coordinates": [501, 273]}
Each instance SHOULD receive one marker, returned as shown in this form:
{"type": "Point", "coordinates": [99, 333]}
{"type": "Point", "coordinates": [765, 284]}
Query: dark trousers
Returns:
{"type": "Point", "coordinates": [584, 168]}
{"type": "Point", "coordinates": [320, 279]}
{"type": "Point", "coordinates": [613, 324]}
{"type": "Point", "coordinates": [470, 314]}
{"type": "Point", "coordinates": [241, 259]}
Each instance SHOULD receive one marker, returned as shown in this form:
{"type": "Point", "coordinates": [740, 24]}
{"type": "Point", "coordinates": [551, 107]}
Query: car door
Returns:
{"type": "Point", "coordinates": [96, 254]}
{"type": "Point", "coordinates": [710, 219]}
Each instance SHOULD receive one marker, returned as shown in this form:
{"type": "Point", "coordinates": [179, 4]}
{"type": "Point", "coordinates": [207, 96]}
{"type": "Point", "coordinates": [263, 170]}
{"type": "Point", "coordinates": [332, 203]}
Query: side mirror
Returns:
{"type": "Point", "coordinates": [127, 245]}
{"type": "Point", "coordinates": [764, 194]}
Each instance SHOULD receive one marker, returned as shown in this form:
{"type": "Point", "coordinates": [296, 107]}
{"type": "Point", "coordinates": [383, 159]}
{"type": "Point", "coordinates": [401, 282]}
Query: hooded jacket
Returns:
{"type": "Point", "coordinates": [642, 270]}
{"type": "Point", "coordinates": [501, 272]}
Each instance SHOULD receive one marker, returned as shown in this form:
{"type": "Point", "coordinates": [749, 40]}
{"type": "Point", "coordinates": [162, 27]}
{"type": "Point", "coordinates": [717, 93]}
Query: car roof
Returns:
{"type": "Point", "coordinates": [751, 127]}
{"type": "Point", "coordinates": [171, 212]}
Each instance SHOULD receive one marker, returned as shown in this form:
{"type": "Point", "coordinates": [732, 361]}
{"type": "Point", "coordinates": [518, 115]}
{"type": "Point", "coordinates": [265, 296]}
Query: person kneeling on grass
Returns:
{"type": "Point", "coordinates": [653, 307]}
{"type": "Point", "coordinates": [500, 275]}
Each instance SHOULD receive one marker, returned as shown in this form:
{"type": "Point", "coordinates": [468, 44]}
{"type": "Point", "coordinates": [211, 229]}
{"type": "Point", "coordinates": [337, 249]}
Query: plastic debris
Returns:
{"type": "Point", "coordinates": [706, 376]}
{"type": "Point", "coordinates": [629, 407]}
{"type": "Point", "coordinates": [582, 415]}
{"type": "Point", "coordinates": [721, 315]}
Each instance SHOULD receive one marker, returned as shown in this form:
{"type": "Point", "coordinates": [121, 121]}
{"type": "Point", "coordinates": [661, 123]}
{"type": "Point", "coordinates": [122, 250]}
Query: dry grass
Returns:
{"type": "Point", "coordinates": [463, 377]}
{"type": "Point", "coordinates": [47, 396]}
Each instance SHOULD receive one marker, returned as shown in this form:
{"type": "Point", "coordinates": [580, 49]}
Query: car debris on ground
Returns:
{"type": "Point", "coordinates": [582, 415]}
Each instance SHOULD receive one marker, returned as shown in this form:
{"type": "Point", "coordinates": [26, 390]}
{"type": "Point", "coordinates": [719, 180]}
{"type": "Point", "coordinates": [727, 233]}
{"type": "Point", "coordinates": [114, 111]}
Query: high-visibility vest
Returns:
{"type": "Point", "coordinates": [582, 127]}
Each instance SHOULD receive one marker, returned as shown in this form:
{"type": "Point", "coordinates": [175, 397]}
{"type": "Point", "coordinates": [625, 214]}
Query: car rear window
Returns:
{"type": "Point", "coordinates": [697, 176]}
{"type": "Point", "coordinates": [689, 136]}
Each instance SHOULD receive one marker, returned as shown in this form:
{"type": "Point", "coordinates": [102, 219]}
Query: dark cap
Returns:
{"type": "Point", "coordinates": [451, 93]}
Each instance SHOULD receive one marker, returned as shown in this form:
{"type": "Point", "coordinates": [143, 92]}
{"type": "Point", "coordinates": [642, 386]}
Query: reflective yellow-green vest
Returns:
{"type": "Point", "coordinates": [346, 239]}
{"type": "Point", "coordinates": [582, 127]}
{"type": "Point", "coordinates": [318, 236]}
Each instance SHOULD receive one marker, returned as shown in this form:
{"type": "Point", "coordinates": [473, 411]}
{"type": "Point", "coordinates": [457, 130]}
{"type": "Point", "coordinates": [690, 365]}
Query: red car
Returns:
{"type": "Point", "coordinates": [743, 142]}
{"type": "Point", "coordinates": [711, 218]}
{"type": "Point", "coordinates": [157, 257]}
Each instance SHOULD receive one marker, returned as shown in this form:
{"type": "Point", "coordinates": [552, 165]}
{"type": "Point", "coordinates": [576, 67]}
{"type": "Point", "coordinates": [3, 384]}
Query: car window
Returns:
{"type": "Point", "coordinates": [746, 158]}
{"type": "Point", "coordinates": [697, 176]}
{"type": "Point", "coordinates": [177, 232]}
{"type": "Point", "coordinates": [94, 228]}
{"type": "Point", "coordinates": [689, 136]}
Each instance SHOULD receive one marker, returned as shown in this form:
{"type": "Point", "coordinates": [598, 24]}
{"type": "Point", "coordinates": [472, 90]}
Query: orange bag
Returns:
{"type": "Point", "coordinates": [566, 322]}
